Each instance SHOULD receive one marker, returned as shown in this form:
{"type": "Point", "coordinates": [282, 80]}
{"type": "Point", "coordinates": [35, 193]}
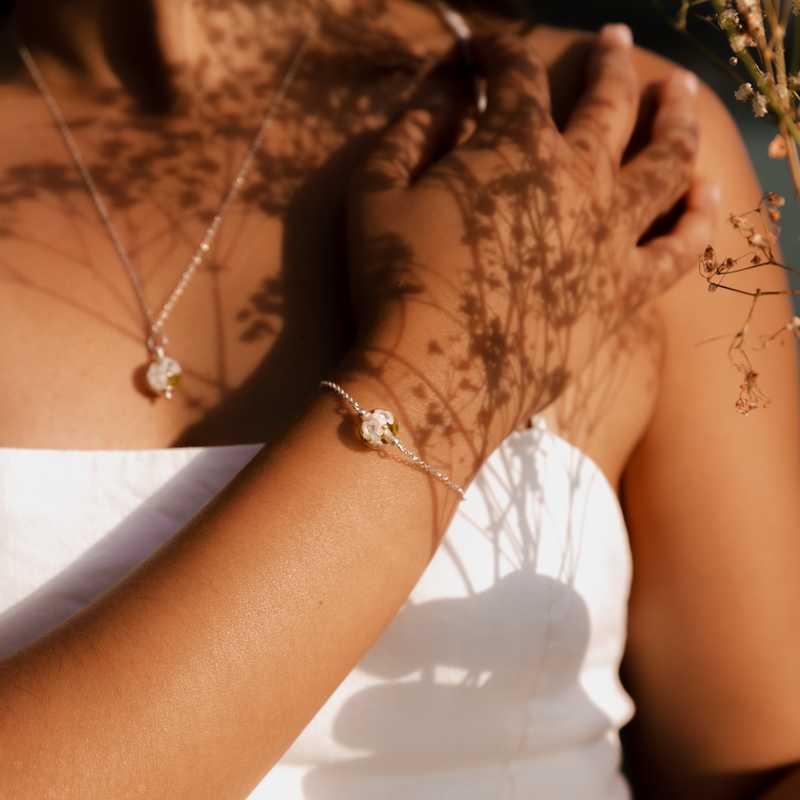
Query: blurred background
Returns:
{"type": "Point", "coordinates": [652, 23]}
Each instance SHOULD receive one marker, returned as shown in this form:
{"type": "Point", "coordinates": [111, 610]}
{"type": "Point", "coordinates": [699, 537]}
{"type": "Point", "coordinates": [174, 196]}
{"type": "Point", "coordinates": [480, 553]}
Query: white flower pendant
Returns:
{"type": "Point", "coordinates": [378, 428]}
{"type": "Point", "coordinates": [163, 375]}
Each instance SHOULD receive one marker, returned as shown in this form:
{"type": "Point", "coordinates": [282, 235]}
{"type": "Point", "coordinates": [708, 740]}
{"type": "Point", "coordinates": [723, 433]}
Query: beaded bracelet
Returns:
{"type": "Point", "coordinates": [379, 427]}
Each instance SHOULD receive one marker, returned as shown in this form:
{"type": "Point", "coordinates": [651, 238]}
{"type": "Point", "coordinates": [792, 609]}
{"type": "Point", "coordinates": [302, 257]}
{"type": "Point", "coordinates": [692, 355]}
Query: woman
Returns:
{"type": "Point", "coordinates": [336, 624]}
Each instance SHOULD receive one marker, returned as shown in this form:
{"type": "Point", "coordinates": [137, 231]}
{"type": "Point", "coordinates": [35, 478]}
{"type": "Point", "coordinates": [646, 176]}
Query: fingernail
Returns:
{"type": "Point", "coordinates": [620, 35]}
{"type": "Point", "coordinates": [684, 82]}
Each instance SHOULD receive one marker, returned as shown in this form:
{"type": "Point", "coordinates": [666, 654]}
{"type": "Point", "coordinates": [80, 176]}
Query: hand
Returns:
{"type": "Point", "coordinates": [517, 252]}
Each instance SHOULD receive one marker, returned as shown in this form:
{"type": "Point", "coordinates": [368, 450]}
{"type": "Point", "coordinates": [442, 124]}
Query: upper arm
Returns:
{"type": "Point", "coordinates": [710, 497]}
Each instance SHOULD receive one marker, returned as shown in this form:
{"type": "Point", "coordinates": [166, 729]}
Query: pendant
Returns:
{"type": "Point", "coordinates": [378, 428]}
{"type": "Point", "coordinates": [163, 375]}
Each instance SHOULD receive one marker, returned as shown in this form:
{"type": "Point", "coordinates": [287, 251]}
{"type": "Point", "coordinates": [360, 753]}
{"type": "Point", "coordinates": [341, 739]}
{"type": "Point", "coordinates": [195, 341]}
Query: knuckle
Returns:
{"type": "Point", "coordinates": [516, 118]}
{"type": "Point", "coordinates": [675, 149]}
{"type": "Point", "coordinates": [583, 144]}
{"type": "Point", "coordinates": [684, 131]}
{"type": "Point", "coordinates": [619, 70]}
{"type": "Point", "coordinates": [516, 59]}
{"type": "Point", "coordinates": [611, 97]}
{"type": "Point", "coordinates": [681, 124]}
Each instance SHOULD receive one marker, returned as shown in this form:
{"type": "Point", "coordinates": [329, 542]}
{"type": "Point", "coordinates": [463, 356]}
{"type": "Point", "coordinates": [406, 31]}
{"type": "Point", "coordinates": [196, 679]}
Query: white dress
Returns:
{"type": "Point", "coordinates": [497, 679]}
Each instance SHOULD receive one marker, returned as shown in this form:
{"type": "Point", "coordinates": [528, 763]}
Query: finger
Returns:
{"type": "Point", "coordinates": [665, 259]}
{"type": "Point", "coordinates": [517, 91]}
{"type": "Point", "coordinates": [409, 145]}
{"type": "Point", "coordinates": [602, 123]}
{"type": "Point", "coordinates": [653, 182]}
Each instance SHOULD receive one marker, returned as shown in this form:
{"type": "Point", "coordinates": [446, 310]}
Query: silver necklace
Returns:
{"type": "Point", "coordinates": [163, 373]}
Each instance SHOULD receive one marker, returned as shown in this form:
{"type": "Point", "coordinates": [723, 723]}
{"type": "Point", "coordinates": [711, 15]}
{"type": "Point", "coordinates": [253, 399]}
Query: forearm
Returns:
{"type": "Point", "coordinates": [193, 675]}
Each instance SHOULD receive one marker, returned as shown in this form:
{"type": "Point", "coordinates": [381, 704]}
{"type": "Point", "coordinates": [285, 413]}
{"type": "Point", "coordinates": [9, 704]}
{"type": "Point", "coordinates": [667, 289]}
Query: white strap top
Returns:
{"type": "Point", "coordinates": [497, 679]}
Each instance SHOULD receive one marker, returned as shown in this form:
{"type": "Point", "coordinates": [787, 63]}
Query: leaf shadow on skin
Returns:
{"type": "Point", "coordinates": [479, 677]}
{"type": "Point", "coordinates": [138, 162]}
{"type": "Point", "coordinates": [527, 257]}
{"type": "Point", "coordinates": [532, 255]}
{"type": "Point", "coordinates": [172, 167]}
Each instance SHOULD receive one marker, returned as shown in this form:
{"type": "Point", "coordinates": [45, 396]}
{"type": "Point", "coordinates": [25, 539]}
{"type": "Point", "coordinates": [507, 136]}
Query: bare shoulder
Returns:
{"type": "Point", "coordinates": [660, 350]}
{"type": "Point", "coordinates": [710, 501]}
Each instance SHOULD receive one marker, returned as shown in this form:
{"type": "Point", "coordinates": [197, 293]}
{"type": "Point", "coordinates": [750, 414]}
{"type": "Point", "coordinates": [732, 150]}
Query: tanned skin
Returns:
{"type": "Point", "coordinates": [236, 632]}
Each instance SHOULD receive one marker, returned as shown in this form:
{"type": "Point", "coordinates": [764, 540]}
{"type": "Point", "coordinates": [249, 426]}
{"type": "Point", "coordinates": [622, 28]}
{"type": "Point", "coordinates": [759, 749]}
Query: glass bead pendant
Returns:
{"type": "Point", "coordinates": [163, 375]}
{"type": "Point", "coordinates": [378, 428]}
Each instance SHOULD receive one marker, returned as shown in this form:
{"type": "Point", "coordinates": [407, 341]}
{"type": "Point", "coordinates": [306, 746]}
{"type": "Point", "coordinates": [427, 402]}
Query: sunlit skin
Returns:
{"type": "Point", "coordinates": [331, 267]}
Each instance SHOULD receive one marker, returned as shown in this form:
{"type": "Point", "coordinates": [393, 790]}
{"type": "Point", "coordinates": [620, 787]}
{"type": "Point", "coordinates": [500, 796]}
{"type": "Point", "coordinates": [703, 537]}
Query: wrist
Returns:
{"type": "Point", "coordinates": [405, 364]}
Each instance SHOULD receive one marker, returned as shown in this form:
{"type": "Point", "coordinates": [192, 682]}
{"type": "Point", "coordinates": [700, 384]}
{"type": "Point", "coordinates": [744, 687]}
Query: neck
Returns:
{"type": "Point", "coordinates": [145, 46]}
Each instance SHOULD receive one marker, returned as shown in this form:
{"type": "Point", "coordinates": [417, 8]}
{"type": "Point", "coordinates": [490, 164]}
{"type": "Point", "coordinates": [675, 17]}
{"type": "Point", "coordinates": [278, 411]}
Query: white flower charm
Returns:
{"type": "Point", "coordinates": [378, 427]}
{"type": "Point", "coordinates": [163, 375]}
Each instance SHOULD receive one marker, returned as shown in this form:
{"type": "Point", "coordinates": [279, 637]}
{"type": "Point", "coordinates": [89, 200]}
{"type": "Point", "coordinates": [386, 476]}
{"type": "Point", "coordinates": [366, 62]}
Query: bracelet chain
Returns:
{"type": "Point", "coordinates": [389, 436]}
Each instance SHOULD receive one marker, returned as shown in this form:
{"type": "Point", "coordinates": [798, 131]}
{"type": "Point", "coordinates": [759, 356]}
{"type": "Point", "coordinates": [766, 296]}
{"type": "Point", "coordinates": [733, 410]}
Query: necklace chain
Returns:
{"type": "Point", "coordinates": [164, 373]}
{"type": "Point", "coordinates": [155, 322]}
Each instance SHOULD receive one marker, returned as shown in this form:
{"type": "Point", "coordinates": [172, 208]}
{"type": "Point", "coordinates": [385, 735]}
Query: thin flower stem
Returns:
{"type": "Point", "coordinates": [792, 157]}
{"type": "Point", "coordinates": [759, 292]}
{"type": "Point", "coordinates": [777, 34]}
{"type": "Point", "coordinates": [758, 266]}
{"type": "Point", "coordinates": [680, 27]}
{"type": "Point", "coordinates": [795, 59]}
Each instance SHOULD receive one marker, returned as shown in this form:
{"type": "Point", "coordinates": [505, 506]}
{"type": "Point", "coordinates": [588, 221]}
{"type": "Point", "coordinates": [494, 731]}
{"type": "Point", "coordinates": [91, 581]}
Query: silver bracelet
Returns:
{"type": "Point", "coordinates": [379, 427]}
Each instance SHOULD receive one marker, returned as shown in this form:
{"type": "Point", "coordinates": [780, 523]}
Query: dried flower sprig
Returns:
{"type": "Point", "coordinates": [759, 228]}
{"type": "Point", "coordinates": [756, 33]}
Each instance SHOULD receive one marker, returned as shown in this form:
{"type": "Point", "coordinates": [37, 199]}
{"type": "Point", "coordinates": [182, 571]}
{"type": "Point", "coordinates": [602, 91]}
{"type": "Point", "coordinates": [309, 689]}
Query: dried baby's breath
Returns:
{"type": "Point", "coordinates": [756, 31]}
{"type": "Point", "coordinates": [759, 229]}
{"type": "Point", "coordinates": [769, 80]}
{"type": "Point", "coordinates": [759, 105]}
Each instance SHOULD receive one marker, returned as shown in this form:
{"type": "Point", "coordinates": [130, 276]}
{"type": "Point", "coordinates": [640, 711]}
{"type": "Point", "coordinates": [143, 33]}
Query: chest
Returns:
{"type": "Point", "coordinates": [265, 316]}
